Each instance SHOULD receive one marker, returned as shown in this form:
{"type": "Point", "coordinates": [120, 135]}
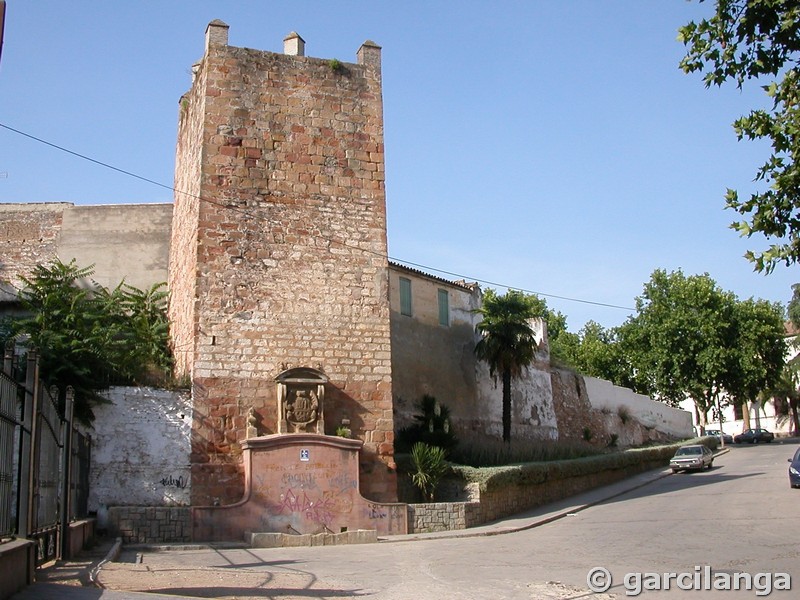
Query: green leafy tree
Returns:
{"type": "Point", "coordinates": [507, 342]}
{"type": "Point", "coordinates": [759, 40]}
{"type": "Point", "coordinates": [691, 339]}
{"type": "Point", "coordinates": [600, 354]}
{"type": "Point", "coordinates": [89, 337]}
{"type": "Point", "coordinates": [759, 355]}
{"type": "Point", "coordinates": [794, 307]}
{"type": "Point", "coordinates": [788, 389]}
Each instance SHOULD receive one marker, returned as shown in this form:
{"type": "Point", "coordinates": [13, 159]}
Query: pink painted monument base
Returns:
{"type": "Point", "coordinates": [298, 484]}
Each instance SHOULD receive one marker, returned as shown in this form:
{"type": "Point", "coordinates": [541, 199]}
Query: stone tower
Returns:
{"type": "Point", "coordinates": [278, 258]}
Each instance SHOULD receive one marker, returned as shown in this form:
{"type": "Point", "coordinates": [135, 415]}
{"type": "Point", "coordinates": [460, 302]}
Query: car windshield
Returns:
{"type": "Point", "coordinates": [796, 456]}
{"type": "Point", "coordinates": [691, 450]}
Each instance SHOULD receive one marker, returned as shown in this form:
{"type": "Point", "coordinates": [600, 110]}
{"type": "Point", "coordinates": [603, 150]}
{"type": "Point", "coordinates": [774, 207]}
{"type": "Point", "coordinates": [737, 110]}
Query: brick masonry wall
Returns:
{"type": "Point", "coordinates": [29, 235]}
{"type": "Point", "coordinates": [183, 242]}
{"type": "Point", "coordinates": [150, 525]}
{"type": "Point", "coordinates": [291, 253]}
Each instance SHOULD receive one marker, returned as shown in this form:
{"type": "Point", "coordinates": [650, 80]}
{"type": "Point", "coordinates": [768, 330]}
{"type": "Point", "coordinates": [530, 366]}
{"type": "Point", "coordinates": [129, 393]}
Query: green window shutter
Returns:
{"type": "Point", "coordinates": [444, 308]}
{"type": "Point", "coordinates": [405, 296]}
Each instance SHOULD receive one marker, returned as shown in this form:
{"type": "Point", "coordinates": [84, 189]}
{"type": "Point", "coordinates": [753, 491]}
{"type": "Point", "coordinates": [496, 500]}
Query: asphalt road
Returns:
{"type": "Point", "coordinates": [741, 516]}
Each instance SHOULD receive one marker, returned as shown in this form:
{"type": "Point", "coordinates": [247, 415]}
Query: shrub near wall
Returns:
{"type": "Point", "coordinates": [504, 491]}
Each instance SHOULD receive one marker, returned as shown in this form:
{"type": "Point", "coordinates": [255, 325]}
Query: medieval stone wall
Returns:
{"type": "Point", "coordinates": [290, 249]}
{"type": "Point", "coordinates": [596, 411]}
{"type": "Point", "coordinates": [29, 235]}
{"type": "Point", "coordinates": [127, 242]}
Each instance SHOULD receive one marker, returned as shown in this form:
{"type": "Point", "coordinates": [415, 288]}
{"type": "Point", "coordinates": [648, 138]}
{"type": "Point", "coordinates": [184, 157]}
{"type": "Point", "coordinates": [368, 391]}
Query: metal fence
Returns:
{"type": "Point", "coordinates": [79, 481]}
{"type": "Point", "coordinates": [9, 437]}
{"type": "Point", "coordinates": [47, 470]}
{"type": "Point", "coordinates": [44, 462]}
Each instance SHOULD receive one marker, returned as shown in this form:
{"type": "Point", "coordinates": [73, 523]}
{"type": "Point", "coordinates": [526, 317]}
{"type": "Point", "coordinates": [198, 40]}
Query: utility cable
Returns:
{"type": "Point", "coordinates": [231, 206]}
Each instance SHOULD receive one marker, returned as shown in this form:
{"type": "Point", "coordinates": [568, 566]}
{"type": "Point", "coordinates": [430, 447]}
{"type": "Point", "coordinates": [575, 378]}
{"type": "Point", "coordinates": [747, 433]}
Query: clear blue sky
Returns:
{"type": "Point", "coordinates": [552, 146]}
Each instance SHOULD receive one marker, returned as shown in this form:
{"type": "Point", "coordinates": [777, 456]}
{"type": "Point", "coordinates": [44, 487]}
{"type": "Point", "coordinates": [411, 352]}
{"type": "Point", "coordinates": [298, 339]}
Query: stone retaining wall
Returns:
{"type": "Point", "coordinates": [443, 516]}
{"type": "Point", "coordinates": [150, 524]}
{"type": "Point", "coordinates": [484, 507]}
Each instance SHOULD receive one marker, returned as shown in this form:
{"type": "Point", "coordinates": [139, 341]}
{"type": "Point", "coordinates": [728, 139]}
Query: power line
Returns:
{"type": "Point", "coordinates": [231, 206]}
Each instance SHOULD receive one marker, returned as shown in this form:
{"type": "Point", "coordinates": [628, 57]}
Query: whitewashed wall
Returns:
{"type": "Point", "coordinates": [763, 416]}
{"type": "Point", "coordinates": [533, 413]}
{"type": "Point", "coordinates": [604, 395]}
{"type": "Point", "coordinates": [140, 449]}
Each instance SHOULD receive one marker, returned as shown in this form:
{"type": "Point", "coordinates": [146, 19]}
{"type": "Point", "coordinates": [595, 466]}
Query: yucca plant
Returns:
{"type": "Point", "coordinates": [430, 466]}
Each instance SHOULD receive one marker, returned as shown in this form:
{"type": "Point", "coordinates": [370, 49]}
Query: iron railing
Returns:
{"type": "Point", "coordinates": [44, 462]}
{"type": "Point", "coordinates": [10, 431]}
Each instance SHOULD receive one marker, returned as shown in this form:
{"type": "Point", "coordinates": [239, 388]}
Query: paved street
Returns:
{"type": "Point", "coordinates": [740, 516]}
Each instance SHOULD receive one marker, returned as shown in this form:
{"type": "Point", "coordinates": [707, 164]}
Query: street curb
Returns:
{"type": "Point", "coordinates": [535, 523]}
{"type": "Point", "coordinates": [542, 521]}
{"type": "Point", "coordinates": [112, 556]}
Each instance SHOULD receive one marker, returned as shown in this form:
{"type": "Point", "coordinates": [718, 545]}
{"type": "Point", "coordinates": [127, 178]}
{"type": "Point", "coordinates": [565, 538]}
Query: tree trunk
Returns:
{"type": "Point", "coordinates": [700, 426]}
{"type": "Point", "coordinates": [506, 405]}
{"type": "Point", "coordinates": [745, 415]}
{"type": "Point", "coordinates": [793, 402]}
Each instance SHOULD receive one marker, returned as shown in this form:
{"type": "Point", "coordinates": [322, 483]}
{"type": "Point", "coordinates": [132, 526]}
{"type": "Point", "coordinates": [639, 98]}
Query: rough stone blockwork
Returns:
{"type": "Point", "coordinates": [28, 237]}
{"type": "Point", "coordinates": [279, 252]}
{"type": "Point", "coordinates": [511, 500]}
{"type": "Point", "coordinates": [150, 525]}
{"type": "Point", "coordinates": [443, 516]}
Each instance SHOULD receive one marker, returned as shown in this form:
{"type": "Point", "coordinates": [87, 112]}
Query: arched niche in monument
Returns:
{"type": "Point", "coordinates": [301, 396]}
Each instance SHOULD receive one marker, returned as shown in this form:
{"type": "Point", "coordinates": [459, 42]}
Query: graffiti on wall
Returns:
{"type": "Point", "coordinates": [322, 509]}
{"type": "Point", "coordinates": [179, 482]}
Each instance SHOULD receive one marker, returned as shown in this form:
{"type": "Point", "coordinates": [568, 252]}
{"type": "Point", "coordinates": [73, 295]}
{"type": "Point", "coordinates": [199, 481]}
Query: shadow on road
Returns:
{"type": "Point", "coordinates": [243, 592]}
{"type": "Point", "coordinates": [681, 481]}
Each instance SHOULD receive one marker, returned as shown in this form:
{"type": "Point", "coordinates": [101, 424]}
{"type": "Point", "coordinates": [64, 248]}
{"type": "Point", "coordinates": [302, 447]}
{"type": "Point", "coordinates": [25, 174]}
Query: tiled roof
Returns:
{"type": "Point", "coordinates": [459, 283]}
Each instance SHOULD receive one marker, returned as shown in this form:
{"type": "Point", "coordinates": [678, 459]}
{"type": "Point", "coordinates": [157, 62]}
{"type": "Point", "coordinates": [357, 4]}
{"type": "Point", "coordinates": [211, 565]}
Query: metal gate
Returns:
{"type": "Point", "coordinates": [10, 432]}
{"type": "Point", "coordinates": [48, 444]}
{"type": "Point", "coordinates": [44, 462]}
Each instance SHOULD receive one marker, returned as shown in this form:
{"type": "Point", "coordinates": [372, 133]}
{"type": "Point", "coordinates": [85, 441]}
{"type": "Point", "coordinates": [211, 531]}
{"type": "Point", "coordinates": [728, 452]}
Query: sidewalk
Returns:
{"type": "Point", "coordinates": [88, 578]}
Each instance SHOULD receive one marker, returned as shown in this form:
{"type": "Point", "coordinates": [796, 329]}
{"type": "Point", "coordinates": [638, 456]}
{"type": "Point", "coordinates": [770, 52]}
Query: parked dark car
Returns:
{"type": "Point", "coordinates": [794, 470]}
{"type": "Point", "coordinates": [753, 436]}
{"type": "Point", "coordinates": [726, 437]}
{"type": "Point", "coordinates": [694, 457]}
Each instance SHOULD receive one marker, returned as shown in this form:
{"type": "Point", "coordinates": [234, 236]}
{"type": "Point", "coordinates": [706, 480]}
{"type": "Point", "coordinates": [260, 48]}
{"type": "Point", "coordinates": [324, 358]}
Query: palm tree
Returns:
{"type": "Point", "coordinates": [507, 341]}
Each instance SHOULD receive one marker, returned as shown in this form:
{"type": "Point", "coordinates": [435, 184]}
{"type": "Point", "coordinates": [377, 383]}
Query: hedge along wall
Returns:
{"type": "Point", "coordinates": [499, 492]}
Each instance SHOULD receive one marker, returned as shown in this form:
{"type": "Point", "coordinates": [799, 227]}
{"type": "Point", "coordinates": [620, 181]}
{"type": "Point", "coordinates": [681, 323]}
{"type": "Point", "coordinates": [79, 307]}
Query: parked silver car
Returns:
{"type": "Point", "coordinates": [691, 458]}
{"type": "Point", "coordinates": [726, 437]}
